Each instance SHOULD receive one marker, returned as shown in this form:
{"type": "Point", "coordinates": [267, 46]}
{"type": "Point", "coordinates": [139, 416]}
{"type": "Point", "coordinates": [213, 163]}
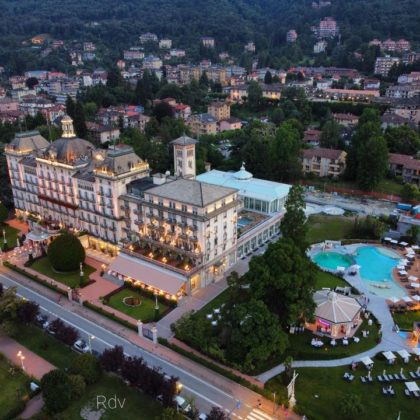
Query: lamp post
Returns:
{"type": "Point", "coordinates": [81, 272]}
{"type": "Point", "coordinates": [274, 400]}
{"type": "Point", "coordinates": [156, 301]}
{"type": "Point", "coordinates": [90, 338]}
{"type": "Point", "coordinates": [4, 239]}
{"type": "Point", "coordinates": [22, 358]}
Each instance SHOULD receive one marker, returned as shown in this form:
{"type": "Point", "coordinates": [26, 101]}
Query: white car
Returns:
{"type": "Point", "coordinates": [81, 346]}
{"type": "Point", "coordinates": [202, 416]}
{"type": "Point", "coordinates": [182, 404]}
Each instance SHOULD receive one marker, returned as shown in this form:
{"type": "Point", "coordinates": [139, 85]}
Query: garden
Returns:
{"type": "Point", "coordinates": [323, 393]}
{"type": "Point", "coordinates": [62, 262]}
{"type": "Point", "coordinates": [136, 304]}
{"type": "Point", "coordinates": [406, 318]}
{"type": "Point", "coordinates": [15, 390]}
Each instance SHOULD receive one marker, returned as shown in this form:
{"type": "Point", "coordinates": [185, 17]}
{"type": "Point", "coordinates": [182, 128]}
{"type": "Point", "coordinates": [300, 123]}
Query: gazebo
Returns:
{"type": "Point", "coordinates": [336, 315]}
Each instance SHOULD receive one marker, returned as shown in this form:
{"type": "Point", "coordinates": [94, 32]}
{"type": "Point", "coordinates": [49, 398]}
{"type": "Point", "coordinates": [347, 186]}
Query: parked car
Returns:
{"type": "Point", "coordinates": [81, 346]}
{"type": "Point", "coordinates": [46, 326]}
{"type": "Point", "coordinates": [40, 320]}
{"type": "Point", "coordinates": [202, 416]}
{"type": "Point", "coordinates": [182, 405]}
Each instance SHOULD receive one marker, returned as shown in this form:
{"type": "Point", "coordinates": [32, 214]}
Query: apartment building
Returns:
{"type": "Point", "coordinates": [324, 162]}
{"type": "Point", "coordinates": [219, 110]}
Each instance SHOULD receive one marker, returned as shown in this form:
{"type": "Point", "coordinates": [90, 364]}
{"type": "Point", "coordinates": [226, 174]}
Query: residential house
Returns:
{"type": "Point", "coordinates": [312, 137]}
{"type": "Point", "coordinates": [384, 64]}
{"type": "Point", "coordinates": [250, 47]}
{"type": "Point", "coordinates": [89, 47]}
{"type": "Point", "coordinates": [8, 104]}
{"type": "Point", "coordinates": [406, 167]}
{"type": "Point", "coordinates": [165, 43]}
{"type": "Point", "coordinates": [219, 110]}
{"type": "Point", "coordinates": [347, 119]}
{"type": "Point", "coordinates": [320, 47]}
{"type": "Point", "coordinates": [134, 53]}
{"type": "Point", "coordinates": [231, 123]}
{"type": "Point", "coordinates": [291, 36]}
{"type": "Point", "coordinates": [403, 91]}
{"type": "Point", "coordinates": [327, 28]}
{"type": "Point", "coordinates": [207, 41]}
{"type": "Point", "coordinates": [148, 37]}
{"type": "Point", "coordinates": [202, 124]}
{"type": "Point", "coordinates": [152, 62]}
{"type": "Point", "coordinates": [102, 133]}
{"type": "Point", "coordinates": [324, 162]}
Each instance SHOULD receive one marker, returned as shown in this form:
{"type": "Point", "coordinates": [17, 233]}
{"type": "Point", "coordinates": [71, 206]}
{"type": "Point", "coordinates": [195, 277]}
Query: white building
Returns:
{"type": "Point", "coordinates": [165, 43]}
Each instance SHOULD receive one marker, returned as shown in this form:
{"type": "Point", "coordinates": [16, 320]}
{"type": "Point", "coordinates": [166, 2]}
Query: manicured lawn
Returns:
{"type": "Point", "coordinates": [301, 349]}
{"type": "Point", "coordinates": [215, 303]}
{"type": "Point", "coordinates": [45, 346]}
{"type": "Point", "coordinates": [320, 390]}
{"type": "Point", "coordinates": [145, 311]}
{"type": "Point", "coordinates": [11, 236]}
{"type": "Point", "coordinates": [324, 279]}
{"type": "Point", "coordinates": [71, 279]}
{"type": "Point", "coordinates": [14, 387]}
{"type": "Point", "coordinates": [405, 320]}
{"type": "Point", "coordinates": [321, 228]}
{"type": "Point", "coordinates": [135, 404]}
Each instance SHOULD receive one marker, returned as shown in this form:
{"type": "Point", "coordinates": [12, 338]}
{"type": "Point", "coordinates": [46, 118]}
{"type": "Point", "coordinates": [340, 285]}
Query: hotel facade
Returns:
{"type": "Point", "coordinates": [173, 234]}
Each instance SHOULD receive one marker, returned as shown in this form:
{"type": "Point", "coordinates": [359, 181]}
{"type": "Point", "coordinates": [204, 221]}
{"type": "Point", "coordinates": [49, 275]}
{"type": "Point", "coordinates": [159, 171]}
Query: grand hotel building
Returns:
{"type": "Point", "coordinates": [171, 233]}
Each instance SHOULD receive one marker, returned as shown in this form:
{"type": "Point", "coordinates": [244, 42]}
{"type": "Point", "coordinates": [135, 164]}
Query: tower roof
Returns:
{"type": "Point", "coordinates": [243, 174]}
{"type": "Point", "coordinates": [184, 140]}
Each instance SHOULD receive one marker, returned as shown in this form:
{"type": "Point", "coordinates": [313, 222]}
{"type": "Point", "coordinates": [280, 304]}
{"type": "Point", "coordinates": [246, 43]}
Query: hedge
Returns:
{"type": "Point", "coordinates": [35, 278]}
{"type": "Point", "coordinates": [109, 315]}
{"type": "Point", "coordinates": [216, 368]}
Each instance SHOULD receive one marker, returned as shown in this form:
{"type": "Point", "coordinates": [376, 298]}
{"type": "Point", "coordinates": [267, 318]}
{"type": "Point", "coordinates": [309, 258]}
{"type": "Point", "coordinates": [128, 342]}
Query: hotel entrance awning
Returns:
{"type": "Point", "coordinates": [147, 273]}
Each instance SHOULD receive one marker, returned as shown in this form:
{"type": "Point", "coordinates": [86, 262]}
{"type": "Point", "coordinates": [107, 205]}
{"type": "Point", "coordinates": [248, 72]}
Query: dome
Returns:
{"type": "Point", "coordinates": [69, 148]}
{"type": "Point", "coordinates": [242, 174]}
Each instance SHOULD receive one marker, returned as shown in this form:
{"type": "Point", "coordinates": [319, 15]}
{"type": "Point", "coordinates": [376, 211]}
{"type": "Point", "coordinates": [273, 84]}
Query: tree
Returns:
{"type": "Point", "coordinates": [4, 213]}
{"type": "Point", "coordinates": [70, 107]}
{"type": "Point", "coordinates": [56, 390]}
{"type": "Point", "coordinates": [66, 253]}
{"type": "Point", "coordinates": [170, 413]}
{"type": "Point", "coordinates": [402, 140]}
{"type": "Point", "coordinates": [293, 224]}
{"type": "Point", "coordinates": [31, 82]}
{"type": "Point", "coordinates": [204, 81]}
{"type": "Point", "coordinates": [79, 121]}
{"type": "Point", "coordinates": [286, 151]}
{"type": "Point", "coordinates": [27, 312]}
{"type": "Point", "coordinates": [268, 78]}
{"type": "Point", "coordinates": [9, 306]}
{"type": "Point", "coordinates": [409, 192]}
{"type": "Point", "coordinates": [112, 360]}
{"type": "Point", "coordinates": [254, 95]}
{"type": "Point", "coordinates": [254, 334]}
{"type": "Point", "coordinates": [413, 232]}
{"type": "Point", "coordinates": [87, 366]}
{"type": "Point", "coordinates": [372, 162]}
{"type": "Point", "coordinates": [292, 277]}
{"type": "Point", "coordinates": [217, 413]}
{"type": "Point", "coordinates": [163, 110]}
{"type": "Point", "coordinates": [77, 386]}
{"type": "Point", "coordinates": [330, 135]}
{"type": "Point", "coordinates": [351, 406]}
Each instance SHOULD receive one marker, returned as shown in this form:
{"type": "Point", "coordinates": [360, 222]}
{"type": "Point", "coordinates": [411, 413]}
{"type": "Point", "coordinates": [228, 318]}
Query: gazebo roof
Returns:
{"type": "Point", "coordinates": [334, 307]}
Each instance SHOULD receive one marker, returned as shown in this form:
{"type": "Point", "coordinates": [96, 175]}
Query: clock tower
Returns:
{"type": "Point", "coordinates": [184, 156]}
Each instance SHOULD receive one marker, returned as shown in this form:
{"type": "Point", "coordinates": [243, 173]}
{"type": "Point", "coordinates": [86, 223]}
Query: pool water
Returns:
{"type": "Point", "coordinates": [376, 265]}
{"type": "Point", "coordinates": [244, 221]}
{"type": "Point", "coordinates": [332, 260]}
{"type": "Point", "coordinates": [404, 334]}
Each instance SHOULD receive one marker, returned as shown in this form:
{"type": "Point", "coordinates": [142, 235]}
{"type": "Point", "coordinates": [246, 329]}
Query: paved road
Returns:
{"type": "Point", "coordinates": [221, 392]}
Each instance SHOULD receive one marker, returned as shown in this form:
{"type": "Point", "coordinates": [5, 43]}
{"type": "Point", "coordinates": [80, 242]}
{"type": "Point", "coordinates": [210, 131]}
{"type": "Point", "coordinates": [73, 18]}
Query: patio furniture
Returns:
{"type": "Point", "coordinates": [416, 394]}
{"type": "Point", "coordinates": [362, 378]}
{"type": "Point", "coordinates": [333, 343]}
{"type": "Point", "coordinates": [356, 339]}
{"type": "Point", "coordinates": [380, 379]}
{"type": "Point", "coordinates": [384, 391]}
{"type": "Point", "coordinates": [413, 375]}
{"type": "Point", "coordinates": [345, 342]}
{"type": "Point", "coordinates": [407, 392]}
{"type": "Point", "coordinates": [412, 387]}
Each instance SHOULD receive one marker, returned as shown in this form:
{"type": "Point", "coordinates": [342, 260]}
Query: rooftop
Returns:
{"type": "Point", "coordinates": [246, 184]}
{"type": "Point", "coordinates": [321, 152]}
{"type": "Point", "coordinates": [184, 140]}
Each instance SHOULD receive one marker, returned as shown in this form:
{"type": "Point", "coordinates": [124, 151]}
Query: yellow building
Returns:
{"type": "Point", "coordinates": [219, 110]}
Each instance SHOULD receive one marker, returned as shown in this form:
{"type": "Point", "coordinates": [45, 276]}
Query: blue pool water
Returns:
{"type": "Point", "coordinates": [332, 260]}
{"type": "Point", "coordinates": [244, 221]}
{"type": "Point", "coordinates": [376, 265]}
{"type": "Point", "coordinates": [404, 334]}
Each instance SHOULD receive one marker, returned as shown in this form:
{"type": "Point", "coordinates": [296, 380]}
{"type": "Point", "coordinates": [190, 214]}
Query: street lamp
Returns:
{"type": "Point", "coordinates": [22, 358]}
{"type": "Point", "coordinates": [90, 337]}
{"type": "Point", "coordinates": [4, 239]}
{"type": "Point", "coordinates": [156, 300]}
{"type": "Point", "coordinates": [274, 400]}
{"type": "Point", "coordinates": [81, 272]}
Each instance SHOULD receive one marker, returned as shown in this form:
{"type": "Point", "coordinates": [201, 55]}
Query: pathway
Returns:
{"type": "Point", "coordinates": [391, 341]}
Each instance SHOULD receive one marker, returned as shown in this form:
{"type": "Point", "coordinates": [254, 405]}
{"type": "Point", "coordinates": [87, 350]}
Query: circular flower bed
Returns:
{"type": "Point", "coordinates": [132, 301]}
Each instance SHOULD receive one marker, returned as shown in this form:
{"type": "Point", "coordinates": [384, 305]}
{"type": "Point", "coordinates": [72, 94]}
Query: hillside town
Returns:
{"type": "Point", "coordinates": [192, 232]}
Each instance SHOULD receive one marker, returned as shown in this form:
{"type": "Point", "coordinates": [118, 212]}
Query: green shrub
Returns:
{"type": "Point", "coordinates": [56, 390]}
{"type": "Point", "coordinates": [78, 386]}
{"type": "Point", "coordinates": [66, 253]}
{"type": "Point", "coordinates": [88, 367]}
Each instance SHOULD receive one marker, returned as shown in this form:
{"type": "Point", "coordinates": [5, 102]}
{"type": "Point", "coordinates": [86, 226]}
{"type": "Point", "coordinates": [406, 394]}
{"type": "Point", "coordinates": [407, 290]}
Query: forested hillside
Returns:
{"type": "Point", "coordinates": [231, 22]}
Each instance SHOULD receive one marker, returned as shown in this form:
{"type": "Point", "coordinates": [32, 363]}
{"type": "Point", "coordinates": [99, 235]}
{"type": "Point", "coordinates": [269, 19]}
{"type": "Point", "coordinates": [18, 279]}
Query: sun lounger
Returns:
{"type": "Point", "coordinates": [369, 379]}
{"type": "Point", "coordinates": [391, 392]}
{"type": "Point", "coordinates": [403, 378]}
{"type": "Point", "coordinates": [380, 379]}
{"type": "Point", "coordinates": [362, 378]}
{"type": "Point", "coordinates": [346, 375]}
{"type": "Point", "coordinates": [407, 392]}
{"type": "Point", "coordinates": [396, 376]}
{"type": "Point", "coordinates": [384, 391]}
{"type": "Point", "coordinates": [350, 377]}
{"type": "Point", "coordinates": [416, 394]}
{"type": "Point", "coordinates": [386, 378]}
{"type": "Point", "coordinates": [413, 375]}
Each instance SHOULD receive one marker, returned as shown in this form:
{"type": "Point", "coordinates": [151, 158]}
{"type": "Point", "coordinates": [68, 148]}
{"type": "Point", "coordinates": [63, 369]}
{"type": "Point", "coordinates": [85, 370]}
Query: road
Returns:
{"type": "Point", "coordinates": [205, 393]}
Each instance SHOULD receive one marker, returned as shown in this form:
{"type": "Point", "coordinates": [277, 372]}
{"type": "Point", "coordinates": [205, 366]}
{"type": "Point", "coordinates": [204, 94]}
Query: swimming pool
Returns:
{"type": "Point", "coordinates": [244, 221]}
{"type": "Point", "coordinates": [332, 260]}
{"type": "Point", "coordinates": [376, 265]}
{"type": "Point", "coordinates": [404, 334]}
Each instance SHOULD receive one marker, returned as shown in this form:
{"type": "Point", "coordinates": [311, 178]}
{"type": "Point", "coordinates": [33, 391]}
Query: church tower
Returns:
{"type": "Point", "coordinates": [184, 156]}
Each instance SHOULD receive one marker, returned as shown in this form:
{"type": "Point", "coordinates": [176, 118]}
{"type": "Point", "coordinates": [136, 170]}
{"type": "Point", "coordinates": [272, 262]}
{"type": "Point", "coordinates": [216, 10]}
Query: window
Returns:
{"type": "Point", "coordinates": [184, 208]}
{"type": "Point", "coordinates": [194, 210]}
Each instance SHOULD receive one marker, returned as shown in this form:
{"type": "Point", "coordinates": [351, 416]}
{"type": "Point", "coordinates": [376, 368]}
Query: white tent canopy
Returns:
{"type": "Point", "coordinates": [367, 361]}
{"type": "Point", "coordinates": [415, 285]}
{"type": "Point", "coordinates": [407, 299]}
{"type": "Point", "coordinates": [412, 278]}
{"type": "Point", "coordinates": [389, 355]}
{"type": "Point", "coordinates": [393, 299]}
{"type": "Point", "coordinates": [412, 386]}
{"type": "Point", "coordinates": [404, 353]}
{"type": "Point", "coordinates": [416, 298]}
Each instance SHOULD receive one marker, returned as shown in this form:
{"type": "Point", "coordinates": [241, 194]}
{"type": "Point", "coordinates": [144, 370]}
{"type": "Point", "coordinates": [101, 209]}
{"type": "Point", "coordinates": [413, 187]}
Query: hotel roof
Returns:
{"type": "Point", "coordinates": [247, 185]}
